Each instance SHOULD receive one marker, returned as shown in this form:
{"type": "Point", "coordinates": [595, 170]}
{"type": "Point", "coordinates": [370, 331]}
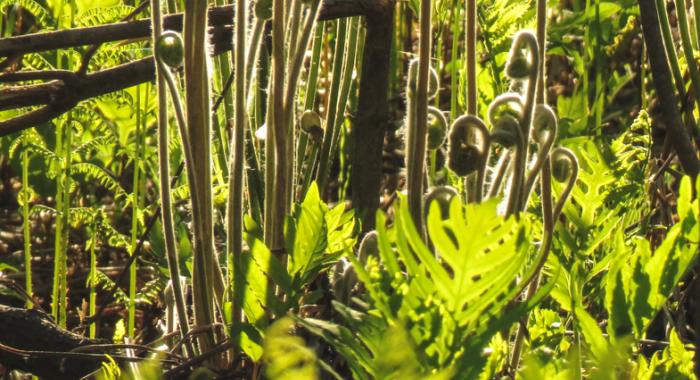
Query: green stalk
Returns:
{"type": "Point", "coordinates": [294, 68]}
{"type": "Point", "coordinates": [598, 91]}
{"type": "Point", "coordinates": [417, 142]}
{"type": "Point", "coordinates": [309, 101]}
{"type": "Point", "coordinates": [63, 288]}
{"type": "Point", "coordinates": [131, 320]}
{"type": "Point", "coordinates": [58, 234]}
{"type": "Point", "coordinates": [696, 21]}
{"type": "Point", "coordinates": [225, 71]}
{"type": "Point", "coordinates": [669, 46]}
{"type": "Point", "coordinates": [256, 193]}
{"type": "Point", "coordinates": [338, 53]}
{"type": "Point", "coordinates": [207, 283]}
{"type": "Point", "coordinates": [164, 188]}
{"type": "Point", "coordinates": [688, 49]}
{"type": "Point", "coordinates": [91, 283]}
{"type": "Point", "coordinates": [345, 86]}
{"type": "Point", "coordinates": [234, 207]}
{"type": "Point", "coordinates": [25, 226]}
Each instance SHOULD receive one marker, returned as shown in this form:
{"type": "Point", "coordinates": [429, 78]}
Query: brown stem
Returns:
{"type": "Point", "coordinates": [663, 82]}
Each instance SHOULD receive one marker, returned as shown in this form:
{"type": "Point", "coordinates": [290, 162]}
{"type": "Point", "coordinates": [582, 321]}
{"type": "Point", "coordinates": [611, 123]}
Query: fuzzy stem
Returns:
{"type": "Point", "coordinates": [131, 316]}
{"type": "Point", "coordinates": [340, 43]}
{"type": "Point", "coordinates": [92, 300]}
{"type": "Point", "coordinates": [309, 101]}
{"type": "Point", "coordinates": [688, 49]}
{"type": "Point", "coordinates": [206, 272]}
{"type": "Point", "coordinates": [56, 303]}
{"type": "Point", "coordinates": [471, 58]}
{"type": "Point", "coordinates": [545, 182]}
{"type": "Point", "coordinates": [25, 227]}
{"type": "Point", "coordinates": [515, 201]}
{"type": "Point", "coordinates": [414, 179]}
{"type": "Point", "coordinates": [234, 207]}
{"type": "Point", "coordinates": [277, 129]}
{"type": "Point", "coordinates": [166, 207]}
{"type": "Point", "coordinates": [669, 46]}
{"type": "Point", "coordinates": [454, 94]}
{"type": "Point", "coordinates": [296, 59]}
{"type": "Point", "coordinates": [548, 227]}
{"type": "Point", "coordinates": [345, 85]}
{"type": "Point", "coordinates": [500, 173]}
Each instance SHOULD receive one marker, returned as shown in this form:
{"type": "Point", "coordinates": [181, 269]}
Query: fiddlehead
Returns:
{"type": "Point", "coordinates": [437, 128]}
{"type": "Point", "coordinates": [565, 167]}
{"type": "Point", "coordinates": [468, 150]}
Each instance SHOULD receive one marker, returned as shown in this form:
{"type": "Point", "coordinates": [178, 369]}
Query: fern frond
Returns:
{"type": "Point", "coordinates": [26, 137]}
{"type": "Point", "coordinates": [34, 7]}
{"type": "Point", "coordinates": [150, 291]}
{"type": "Point", "coordinates": [95, 172]}
{"type": "Point", "coordinates": [104, 15]}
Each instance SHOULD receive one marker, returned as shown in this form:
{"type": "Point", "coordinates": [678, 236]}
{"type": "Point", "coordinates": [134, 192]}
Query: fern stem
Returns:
{"type": "Point", "coordinates": [670, 47]}
{"type": "Point", "coordinates": [688, 49]}
{"type": "Point", "coordinates": [58, 234]}
{"type": "Point", "coordinates": [164, 189]}
{"type": "Point", "coordinates": [304, 162]}
{"type": "Point", "coordinates": [454, 94]}
{"type": "Point", "coordinates": [548, 216]}
{"type": "Point", "coordinates": [417, 145]}
{"type": "Point", "coordinates": [277, 130]}
{"type": "Point", "coordinates": [471, 58]}
{"type": "Point", "coordinates": [345, 87]}
{"type": "Point", "coordinates": [91, 283]}
{"type": "Point", "coordinates": [332, 106]}
{"type": "Point", "coordinates": [234, 209]}
{"type": "Point", "coordinates": [204, 273]}
{"type": "Point", "coordinates": [298, 52]}
{"type": "Point", "coordinates": [131, 318]}
{"type": "Point", "coordinates": [25, 226]}
{"type": "Point", "coordinates": [500, 173]}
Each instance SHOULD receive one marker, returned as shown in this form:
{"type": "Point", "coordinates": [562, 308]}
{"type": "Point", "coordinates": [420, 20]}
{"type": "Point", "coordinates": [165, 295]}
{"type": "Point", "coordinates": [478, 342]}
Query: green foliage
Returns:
{"type": "Point", "coordinates": [286, 356]}
{"type": "Point", "coordinates": [639, 282]}
{"type": "Point", "coordinates": [316, 237]}
{"type": "Point", "coordinates": [443, 307]}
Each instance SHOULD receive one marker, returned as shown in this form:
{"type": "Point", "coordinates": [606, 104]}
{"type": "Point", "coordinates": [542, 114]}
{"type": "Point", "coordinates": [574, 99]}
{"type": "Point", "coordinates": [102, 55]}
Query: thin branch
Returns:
{"type": "Point", "coordinates": [218, 17]}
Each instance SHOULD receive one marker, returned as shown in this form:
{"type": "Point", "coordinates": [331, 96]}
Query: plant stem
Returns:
{"type": "Point", "coordinates": [686, 42]}
{"type": "Point", "coordinates": [417, 146]}
{"type": "Point", "coordinates": [234, 208]}
{"type": "Point", "coordinates": [296, 59]}
{"type": "Point", "coordinates": [338, 53]}
{"type": "Point", "coordinates": [454, 91]}
{"type": "Point", "coordinates": [661, 74]}
{"type": "Point", "coordinates": [58, 234]}
{"type": "Point", "coordinates": [345, 86]}
{"type": "Point", "coordinates": [277, 130]}
{"type": "Point", "coordinates": [670, 48]}
{"type": "Point", "coordinates": [309, 101]}
{"type": "Point", "coordinates": [205, 264]}
{"type": "Point", "coordinates": [93, 291]}
{"type": "Point", "coordinates": [471, 59]}
{"type": "Point", "coordinates": [131, 318]}
{"type": "Point", "coordinates": [166, 202]}
{"type": "Point", "coordinates": [25, 226]}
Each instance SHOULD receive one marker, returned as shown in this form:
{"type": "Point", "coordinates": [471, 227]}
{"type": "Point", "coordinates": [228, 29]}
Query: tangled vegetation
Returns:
{"type": "Point", "coordinates": [365, 189]}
